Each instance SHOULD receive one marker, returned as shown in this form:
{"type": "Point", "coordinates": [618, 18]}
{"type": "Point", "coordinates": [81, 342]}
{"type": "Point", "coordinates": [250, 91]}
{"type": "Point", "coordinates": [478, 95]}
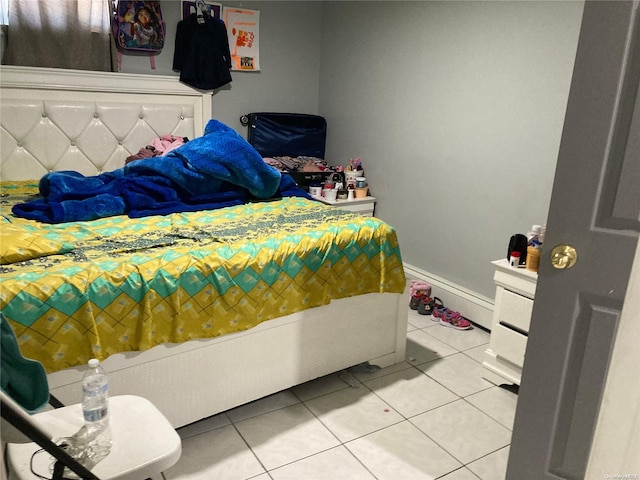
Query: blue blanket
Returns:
{"type": "Point", "coordinates": [216, 170]}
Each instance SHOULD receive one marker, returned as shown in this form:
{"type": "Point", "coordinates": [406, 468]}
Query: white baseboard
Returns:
{"type": "Point", "coordinates": [472, 305]}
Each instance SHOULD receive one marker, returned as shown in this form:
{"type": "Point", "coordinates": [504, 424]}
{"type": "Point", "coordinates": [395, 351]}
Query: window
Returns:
{"type": "Point", "coordinates": [59, 33]}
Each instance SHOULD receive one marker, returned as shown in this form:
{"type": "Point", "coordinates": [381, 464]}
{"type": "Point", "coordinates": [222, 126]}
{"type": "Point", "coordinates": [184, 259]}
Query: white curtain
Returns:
{"type": "Point", "coordinates": [60, 33]}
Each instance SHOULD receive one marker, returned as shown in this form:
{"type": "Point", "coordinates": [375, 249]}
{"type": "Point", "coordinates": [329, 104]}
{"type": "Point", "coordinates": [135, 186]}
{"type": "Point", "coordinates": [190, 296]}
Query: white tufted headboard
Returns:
{"type": "Point", "coordinates": [90, 122]}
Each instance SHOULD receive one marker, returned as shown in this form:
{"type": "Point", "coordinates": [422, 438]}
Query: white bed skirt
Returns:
{"type": "Point", "coordinates": [197, 379]}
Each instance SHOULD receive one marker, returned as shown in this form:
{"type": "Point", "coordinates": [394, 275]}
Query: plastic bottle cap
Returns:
{"type": "Point", "coordinates": [515, 254]}
{"type": "Point", "coordinates": [94, 362]}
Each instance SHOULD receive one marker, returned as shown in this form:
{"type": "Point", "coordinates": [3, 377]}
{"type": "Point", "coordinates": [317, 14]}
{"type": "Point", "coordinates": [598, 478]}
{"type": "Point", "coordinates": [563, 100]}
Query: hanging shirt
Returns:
{"type": "Point", "coordinates": [202, 53]}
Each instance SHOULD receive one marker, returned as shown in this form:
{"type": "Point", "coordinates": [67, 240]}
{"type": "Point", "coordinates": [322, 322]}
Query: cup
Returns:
{"type": "Point", "coordinates": [532, 262]}
{"type": "Point", "coordinates": [331, 194]}
{"type": "Point", "coordinates": [316, 191]}
{"type": "Point", "coordinates": [361, 192]}
{"type": "Point", "coordinates": [351, 175]}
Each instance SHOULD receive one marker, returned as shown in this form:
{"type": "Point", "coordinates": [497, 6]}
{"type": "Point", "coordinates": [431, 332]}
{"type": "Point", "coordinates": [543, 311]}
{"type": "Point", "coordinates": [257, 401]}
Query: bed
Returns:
{"type": "Point", "coordinates": [171, 316]}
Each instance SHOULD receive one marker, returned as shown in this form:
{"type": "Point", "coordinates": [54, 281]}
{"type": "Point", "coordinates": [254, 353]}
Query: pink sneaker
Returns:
{"type": "Point", "coordinates": [455, 320]}
{"type": "Point", "coordinates": [420, 287]}
{"type": "Point", "coordinates": [440, 312]}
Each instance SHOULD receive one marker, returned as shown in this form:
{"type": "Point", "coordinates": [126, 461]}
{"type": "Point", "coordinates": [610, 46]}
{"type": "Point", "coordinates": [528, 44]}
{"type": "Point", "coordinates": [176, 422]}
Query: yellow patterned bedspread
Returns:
{"type": "Point", "coordinates": [79, 290]}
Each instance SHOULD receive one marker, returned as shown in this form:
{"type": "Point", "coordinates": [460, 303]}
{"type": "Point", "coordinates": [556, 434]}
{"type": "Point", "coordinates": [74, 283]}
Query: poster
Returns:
{"type": "Point", "coordinates": [211, 8]}
{"type": "Point", "coordinates": [243, 32]}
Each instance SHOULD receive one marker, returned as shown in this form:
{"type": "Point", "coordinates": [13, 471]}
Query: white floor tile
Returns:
{"type": "Point", "coordinates": [365, 377]}
{"type": "Point", "coordinates": [491, 467]}
{"type": "Point", "coordinates": [419, 321]}
{"type": "Point", "coordinates": [335, 464]}
{"type": "Point", "coordinates": [458, 373]}
{"type": "Point", "coordinates": [463, 430]}
{"type": "Point", "coordinates": [460, 339]}
{"type": "Point", "coordinates": [204, 425]}
{"type": "Point", "coordinates": [460, 474]}
{"type": "Point", "coordinates": [286, 435]}
{"type": "Point", "coordinates": [263, 405]}
{"type": "Point", "coordinates": [326, 430]}
{"type": "Point", "coordinates": [319, 386]}
{"type": "Point", "coordinates": [410, 392]}
{"type": "Point", "coordinates": [499, 403]}
{"type": "Point", "coordinates": [477, 353]}
{"type": "Point", "coordinates": [422, 347]}
{"type": "Point", "coordinates": [402, 452]}
{"type": "Point", "coordinates": [218, 453]}
{"type": "Point", "coordinates": [353, 412]}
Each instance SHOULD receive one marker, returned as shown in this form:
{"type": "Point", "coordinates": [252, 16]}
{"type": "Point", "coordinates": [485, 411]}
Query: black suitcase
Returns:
{"type": "Point", "coordinates": [289, 134]}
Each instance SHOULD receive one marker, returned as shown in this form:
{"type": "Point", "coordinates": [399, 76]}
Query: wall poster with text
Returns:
{"type": "Point", "coordinates": [243, 32]}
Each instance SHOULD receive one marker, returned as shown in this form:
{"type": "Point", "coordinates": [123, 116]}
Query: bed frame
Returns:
{"type": "Point", "coordinates": [90, 122]}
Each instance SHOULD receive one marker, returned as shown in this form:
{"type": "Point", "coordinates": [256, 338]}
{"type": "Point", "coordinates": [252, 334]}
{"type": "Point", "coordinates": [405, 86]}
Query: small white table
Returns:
{"type": "Point", "coordinates": [515, 293]}
{"type": "Point", "coordinates": [364, 206]}
{"type": "Point", "coordinates": [144, 442]}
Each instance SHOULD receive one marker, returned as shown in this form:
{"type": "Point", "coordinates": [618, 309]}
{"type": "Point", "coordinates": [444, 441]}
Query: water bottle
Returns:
{"type": "Point", "coordinates": [95, 407]}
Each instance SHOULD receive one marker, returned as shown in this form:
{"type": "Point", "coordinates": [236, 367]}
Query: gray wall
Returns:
{"type": "Point", "coordinates": [290, 44]}
{"type": "Point", "coordinates": [456, 109]}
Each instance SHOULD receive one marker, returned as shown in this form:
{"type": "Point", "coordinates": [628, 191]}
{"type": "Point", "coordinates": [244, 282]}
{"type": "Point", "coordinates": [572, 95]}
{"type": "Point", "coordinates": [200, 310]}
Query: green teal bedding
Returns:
{"type": "Point", "coordinates": [76, 290]}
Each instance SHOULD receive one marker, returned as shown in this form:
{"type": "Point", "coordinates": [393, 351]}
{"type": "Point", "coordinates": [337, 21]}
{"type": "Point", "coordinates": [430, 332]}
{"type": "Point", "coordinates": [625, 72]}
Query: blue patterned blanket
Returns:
{"type": "Point", "coordinates": [216, 170]}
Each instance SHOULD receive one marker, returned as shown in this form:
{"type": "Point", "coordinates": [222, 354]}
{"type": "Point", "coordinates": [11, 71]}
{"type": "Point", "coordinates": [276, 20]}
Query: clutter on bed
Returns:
{"type": "Point", "coordinates": [288, 164]}
{"type": "Point", "coordinates": [158, 147]}
{"type": "Point", "coordinates": [216, 170]}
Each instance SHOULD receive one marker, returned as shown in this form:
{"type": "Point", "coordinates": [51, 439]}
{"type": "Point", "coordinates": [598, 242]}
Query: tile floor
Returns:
{"type": "Point", "coordinates": [431, 417]}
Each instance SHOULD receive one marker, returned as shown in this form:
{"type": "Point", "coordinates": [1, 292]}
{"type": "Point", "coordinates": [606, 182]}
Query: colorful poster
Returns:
{"type": "Point", "coordinates": [243, 32]}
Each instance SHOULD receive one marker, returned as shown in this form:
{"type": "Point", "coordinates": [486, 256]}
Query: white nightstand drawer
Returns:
{"type": "Point", "coordinates": [509, 344]}
{"type": "Point", "coordinates": [515, 310]}
{"type": "Point", "coordinates": [515, 291]}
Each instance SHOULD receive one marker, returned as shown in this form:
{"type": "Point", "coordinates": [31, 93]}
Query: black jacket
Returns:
{"type": "Point", "coordinates": [202, 53]}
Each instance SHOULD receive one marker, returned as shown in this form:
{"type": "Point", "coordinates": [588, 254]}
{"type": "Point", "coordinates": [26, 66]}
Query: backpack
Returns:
{"type": "Point", "coordinates": [138, 25]}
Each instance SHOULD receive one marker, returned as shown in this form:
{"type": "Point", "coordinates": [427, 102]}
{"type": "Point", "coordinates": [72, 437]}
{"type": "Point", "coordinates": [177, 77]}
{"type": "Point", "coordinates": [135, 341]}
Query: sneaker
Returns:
{"type": "Point", "coordinates": [440, 311]}
{"type": "Point", "coordinates": [455, 320]}
{"type": "Point", "coordinates": [416, 298]}
{"type": "Point", "coordinates": [420, 287]}
{"type": "Point", "coordinates": [428, 304]}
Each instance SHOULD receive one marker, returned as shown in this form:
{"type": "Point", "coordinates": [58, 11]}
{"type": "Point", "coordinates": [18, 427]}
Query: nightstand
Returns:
{"type": "Point", "coordinates": [364, 206]}
{"type": "Point", "coordinates": [515, 292]}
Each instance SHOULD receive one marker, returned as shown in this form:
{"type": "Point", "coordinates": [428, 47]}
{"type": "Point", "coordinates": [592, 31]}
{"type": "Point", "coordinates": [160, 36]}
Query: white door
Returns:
{"type": "Point", "coordinates": [595, 210]}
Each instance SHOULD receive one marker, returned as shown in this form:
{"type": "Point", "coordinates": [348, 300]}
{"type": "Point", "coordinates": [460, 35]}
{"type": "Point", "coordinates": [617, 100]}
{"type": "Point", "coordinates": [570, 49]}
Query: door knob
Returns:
{"type": "Point", "coordinates": [563, 256]}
